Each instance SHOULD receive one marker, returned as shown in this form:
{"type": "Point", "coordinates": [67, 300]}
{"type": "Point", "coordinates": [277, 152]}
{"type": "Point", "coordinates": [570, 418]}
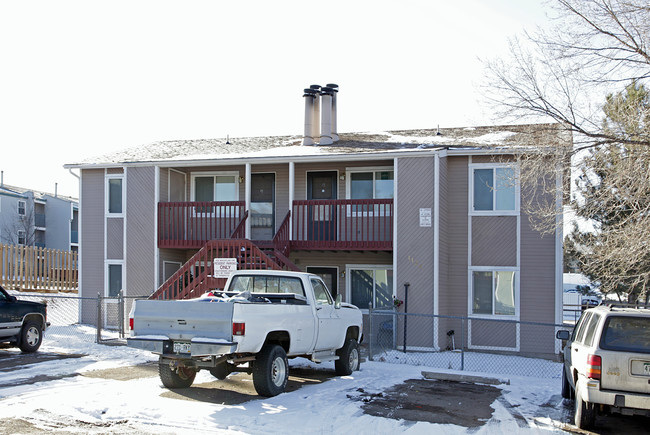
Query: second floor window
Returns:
{"type": "Point", "coordinates": [115, 195]}
{"type": "Point", "coordinates": [371, 185]}
{"type": "Point", "coordinates": [494, 189]}
{"type": "Point", "coordinates": [21, 208]}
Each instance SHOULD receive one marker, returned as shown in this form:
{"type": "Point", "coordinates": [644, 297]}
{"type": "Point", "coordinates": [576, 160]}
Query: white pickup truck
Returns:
{"type": "Point", "coordinates": [260, 319]}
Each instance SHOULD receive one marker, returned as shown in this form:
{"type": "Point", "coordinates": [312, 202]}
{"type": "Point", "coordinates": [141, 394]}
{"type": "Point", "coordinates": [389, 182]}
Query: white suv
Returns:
{"type": "Point", "coordinates": [607, 363]}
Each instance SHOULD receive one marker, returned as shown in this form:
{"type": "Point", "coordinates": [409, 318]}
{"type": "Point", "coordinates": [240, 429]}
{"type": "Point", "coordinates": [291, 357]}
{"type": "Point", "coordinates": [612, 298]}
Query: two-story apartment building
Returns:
{"type": "Point", "coordinates": [369, 212]}
{"type": "Point", "coordinates": [34, 218]}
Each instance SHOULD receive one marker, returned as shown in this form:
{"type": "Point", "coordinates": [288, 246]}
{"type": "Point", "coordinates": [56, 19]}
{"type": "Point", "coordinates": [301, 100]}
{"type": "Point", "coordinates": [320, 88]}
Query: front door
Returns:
{"type": "Point", "coordinates": [321, 186]}
{"type": "Point", "coordinates": [262, 206]}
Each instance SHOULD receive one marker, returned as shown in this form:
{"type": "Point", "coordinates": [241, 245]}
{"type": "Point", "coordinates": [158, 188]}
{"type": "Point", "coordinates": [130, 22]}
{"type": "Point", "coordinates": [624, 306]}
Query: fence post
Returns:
{"type": "Point", "coordinates": [370, 331]}
{"type": "Point", "coordinates": [462, 344]}
{"type": "Point", "coordinates": [99, 318]}
{"type": "Point", "coordinates": [406, 306]}
{"type": "Point", "coordinates": [120, 315]}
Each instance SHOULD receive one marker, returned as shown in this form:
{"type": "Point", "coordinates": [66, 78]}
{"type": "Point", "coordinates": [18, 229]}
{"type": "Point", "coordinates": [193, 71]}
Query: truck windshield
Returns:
{"type": "Point", "coordinates": [627, 334]}
{"type": "Point", "coordinates": [267, 284]}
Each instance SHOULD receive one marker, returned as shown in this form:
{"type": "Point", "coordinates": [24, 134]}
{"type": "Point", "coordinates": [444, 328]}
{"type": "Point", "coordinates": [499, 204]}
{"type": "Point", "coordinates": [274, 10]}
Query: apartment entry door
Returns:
{"type": "Point", "coordinates": [322, 217]}
{"type": "Point", "coordinates": [262, 206]}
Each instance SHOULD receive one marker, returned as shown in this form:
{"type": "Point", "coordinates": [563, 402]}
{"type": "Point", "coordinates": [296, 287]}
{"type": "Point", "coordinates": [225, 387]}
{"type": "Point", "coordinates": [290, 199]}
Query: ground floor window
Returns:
{"type": "Point", "coordinates": [114, 280]}
{"type": "Point", "coordinates": [370, 284]}
{"type": "Point", "coordinates": [494, 292]}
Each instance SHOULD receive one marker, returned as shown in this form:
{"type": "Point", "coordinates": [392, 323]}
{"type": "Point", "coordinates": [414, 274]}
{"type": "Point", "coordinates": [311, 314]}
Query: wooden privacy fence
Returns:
{"type": "Point", "coordinates": [30, 268]}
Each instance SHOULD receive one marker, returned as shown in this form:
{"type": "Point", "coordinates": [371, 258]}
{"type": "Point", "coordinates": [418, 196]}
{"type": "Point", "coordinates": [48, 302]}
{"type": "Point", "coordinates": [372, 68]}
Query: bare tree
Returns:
{"type": "Point", "coordinates": [23, 224]}
{"type": "Point", "coordinates": [587, 73]}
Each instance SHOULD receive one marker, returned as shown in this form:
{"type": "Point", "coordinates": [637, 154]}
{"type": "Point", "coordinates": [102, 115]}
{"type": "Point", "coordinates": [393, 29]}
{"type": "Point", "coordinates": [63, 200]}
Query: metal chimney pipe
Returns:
{"type": "Point", "coordinates": [310, 96]}
{"type": "Point", "coordinates": [2, 178]}
{"type": "Point", "coordinates": [316, 119]}
{"type": "Point", "coordinates": [56, 190]}
{"type": "Point", "coordinates": [335, 88]}
{"type": "Point", "coordinates": [326, 116]}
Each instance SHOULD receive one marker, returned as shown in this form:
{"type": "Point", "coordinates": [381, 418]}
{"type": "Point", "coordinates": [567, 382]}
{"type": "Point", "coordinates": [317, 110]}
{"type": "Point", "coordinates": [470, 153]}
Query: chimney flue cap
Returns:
{"type": "Point", "coordinates": [334, 86]}
{"type": "Point", "coordinates": [310, 93]}
{"type": "Point", "coordinates": [326, 90]}
{"type": "Point", "coordinates": [317, 87]}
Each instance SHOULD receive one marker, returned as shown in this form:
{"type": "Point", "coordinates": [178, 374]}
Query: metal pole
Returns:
{"type": "Point", "coordinates": [462, 344]}
{"type": "Point", "coordinates": [99, 317]}
{"type": "Point", "coordinates": [370, 331]}
{"type": "Point", "coordinates": [406, 306]}
{"type": "Point", "coordinates": [120, 305]}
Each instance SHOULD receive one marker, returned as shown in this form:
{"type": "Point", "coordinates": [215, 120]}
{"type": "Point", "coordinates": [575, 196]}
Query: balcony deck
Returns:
{"type": "Point", "coordinates": [347, 224]}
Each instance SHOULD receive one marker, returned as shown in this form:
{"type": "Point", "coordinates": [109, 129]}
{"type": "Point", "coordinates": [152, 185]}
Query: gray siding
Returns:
{"type": "Point", "coordinates": [140, 233]}
{"type": "Point", "coordinates": [494, 241]}
{"type": "Point", "coordinates": [92, 250]}
{"type": "Point", "coordinates": [114, 238]}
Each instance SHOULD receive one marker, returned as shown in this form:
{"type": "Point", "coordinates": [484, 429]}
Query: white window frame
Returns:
{"type": "Point", "coordinates": [107, 265]}
{"type": "Point", "coordinates": [493, 269]}
{"type": "Point", "coordinates": [24, 208]}
{"type": "Point", "coordinates": [494, 212]}
{"type": "Point", "coordinates": [107, 179]}
{"type": "Point", "coordinates": [348, 280]}
{"type": "Point", "coordinates": [348, 189]}
{"type": "Point", "coordinates": [213, 174]}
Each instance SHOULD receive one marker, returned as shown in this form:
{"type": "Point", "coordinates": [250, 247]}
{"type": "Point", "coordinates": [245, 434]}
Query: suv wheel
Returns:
{"type": "Point", "coordinates": [585, 412]}
{"type": "Point", "coordinates": [31, 336]}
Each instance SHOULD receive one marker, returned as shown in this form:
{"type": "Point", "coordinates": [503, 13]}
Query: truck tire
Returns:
{"type": "Point", "coordinates": [349, 360]}
{"type": "Point", "coordinates": [182, 377]}
{"type": "Point", "coordinates": [567, 392]}
{"type": "Point", "coordinates": [585, 412]}
{"type": "Point", "coordinates": [31, 336]}
{"type": "Point", "coordinates": [221, 371]}
{"type": "Point", "coordinates": [270, 371]}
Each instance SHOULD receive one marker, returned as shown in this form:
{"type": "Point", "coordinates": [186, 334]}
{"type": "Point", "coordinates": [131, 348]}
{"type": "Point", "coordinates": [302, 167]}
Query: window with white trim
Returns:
{"type": "Point", "coordinates": [215, 186]}
{"type": "Point", "coordinates": [494, 292]}
{"type": "Point", "coordinates": [494, 189]}
{"type": "Point", "coordinates": [370, 284]}
{"type": "Point", "coordinates": [115, 195]}
{"type": "Point", "coordinates": [22, 206]}
{"type": "Point", "coordinates": [370, 183]}
{"type": "Point", "coordinates": [114, 279]}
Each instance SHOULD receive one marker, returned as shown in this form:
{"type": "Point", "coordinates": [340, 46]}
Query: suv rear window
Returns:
{"type": "Point", "coordinates": [627, 334]}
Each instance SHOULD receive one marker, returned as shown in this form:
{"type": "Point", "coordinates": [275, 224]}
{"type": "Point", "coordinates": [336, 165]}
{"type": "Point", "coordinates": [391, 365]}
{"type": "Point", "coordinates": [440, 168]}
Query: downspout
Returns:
{"type": "Point", "coordinates": [80, 246]}
{"type": "Point", "coordinates": [292, 187]}
{"type": "Point", "coordinates": [156, 250]}
{"type": "Point", "coordinates": [436, 245]}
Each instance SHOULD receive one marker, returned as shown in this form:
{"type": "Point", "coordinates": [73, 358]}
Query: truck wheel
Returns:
{"type": "Point", "coordinates": [585, 412]}
{"type": "Point", "coordinates": [182, 377]}
{"type": "Point", "coordinates": [270, 371]}
{"type": "Point", "coordinates": [348, 361]}
{"type": "Point", "coordinates": [566, 386]}
{"type": "Point", "coordinates": [221, 371]}
{"type": "Point", "coordinates": [31, 336]}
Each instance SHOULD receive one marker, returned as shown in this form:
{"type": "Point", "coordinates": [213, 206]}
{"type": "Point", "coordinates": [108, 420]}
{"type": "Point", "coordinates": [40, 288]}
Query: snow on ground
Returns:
{"type": "Point", "coordinates": [86, 402]}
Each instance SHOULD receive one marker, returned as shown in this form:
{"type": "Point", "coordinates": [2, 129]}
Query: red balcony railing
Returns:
{"type": "Point", "coordinates": [359, 224]}
{"type": "Point", "coordinates": [192, 224]}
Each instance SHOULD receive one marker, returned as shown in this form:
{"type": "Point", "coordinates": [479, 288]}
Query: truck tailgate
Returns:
{"type": "Point", "coordinates": [183, 320]}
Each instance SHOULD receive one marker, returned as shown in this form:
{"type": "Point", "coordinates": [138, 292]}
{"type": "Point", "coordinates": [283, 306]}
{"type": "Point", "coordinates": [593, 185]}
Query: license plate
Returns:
{"type": "Point", "coordinates": [646, 369]}
{"type": "Point", "coordinates": [182, 347]}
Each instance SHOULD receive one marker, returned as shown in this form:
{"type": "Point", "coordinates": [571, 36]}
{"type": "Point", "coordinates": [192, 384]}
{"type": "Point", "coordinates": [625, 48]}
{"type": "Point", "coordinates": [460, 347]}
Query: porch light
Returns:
{"type": "Point", "coordinates": [241, 179]}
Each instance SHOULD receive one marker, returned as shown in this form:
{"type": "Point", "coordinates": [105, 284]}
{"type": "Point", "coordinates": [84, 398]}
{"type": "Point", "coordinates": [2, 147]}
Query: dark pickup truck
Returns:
{"type": "Point", "coordinates": [22, 322]}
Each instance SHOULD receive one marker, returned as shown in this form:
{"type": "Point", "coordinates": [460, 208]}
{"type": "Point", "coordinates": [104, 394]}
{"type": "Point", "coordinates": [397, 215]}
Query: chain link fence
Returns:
{"type": "Point", "coordinates": [505, 347]}
{"type": "Point", "coordinates": [107, 323]}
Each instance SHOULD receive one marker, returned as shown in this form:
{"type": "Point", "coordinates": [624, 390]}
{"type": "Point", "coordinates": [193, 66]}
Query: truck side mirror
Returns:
{"type": "Point", "coordinates": [337, 302]}
{"type": "Point", "coordinates": [562, 335]}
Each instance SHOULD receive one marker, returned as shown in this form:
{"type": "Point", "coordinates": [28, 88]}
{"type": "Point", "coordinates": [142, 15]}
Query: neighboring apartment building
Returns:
{"type": "Point", "coordinates": [33, 218]}
{"type": "Point", "coordinates": [368, 212]}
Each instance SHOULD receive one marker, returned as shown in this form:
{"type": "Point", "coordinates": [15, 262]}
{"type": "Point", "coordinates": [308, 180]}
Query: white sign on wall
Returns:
{"type": "Point", "coordinates": [425, 217]}
{"type": "Point", "coordinates": [223, 267]}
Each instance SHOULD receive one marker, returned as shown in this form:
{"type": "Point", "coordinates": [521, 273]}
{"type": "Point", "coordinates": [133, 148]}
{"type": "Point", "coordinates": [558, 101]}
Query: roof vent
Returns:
{"type": "Point", "coordinates": [310, 95]}
{"type": "Point", "coordinates": [326, 116]}
{"type": "Point", "coordinates": [335, 89]}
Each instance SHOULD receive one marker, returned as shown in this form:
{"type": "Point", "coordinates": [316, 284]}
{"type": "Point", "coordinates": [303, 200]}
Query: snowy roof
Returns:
{"type": "Point", "coordinates": [489, 138]}
{"type": "Point", "coordinates": [38, 195]}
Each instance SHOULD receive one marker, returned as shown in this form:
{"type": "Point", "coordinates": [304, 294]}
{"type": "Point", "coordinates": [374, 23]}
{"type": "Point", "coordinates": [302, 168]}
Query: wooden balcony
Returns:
{"type": "Point", "coordinates": [343, 224]}
{"type": "Point", "coordinates": [191, 224]}
{"type": "Point", "coordinates": [346, 224]}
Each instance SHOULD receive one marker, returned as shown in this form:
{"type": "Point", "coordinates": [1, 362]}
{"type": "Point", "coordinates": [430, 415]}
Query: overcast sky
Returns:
{"type": "Point", "coordinates": [81, 78]}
